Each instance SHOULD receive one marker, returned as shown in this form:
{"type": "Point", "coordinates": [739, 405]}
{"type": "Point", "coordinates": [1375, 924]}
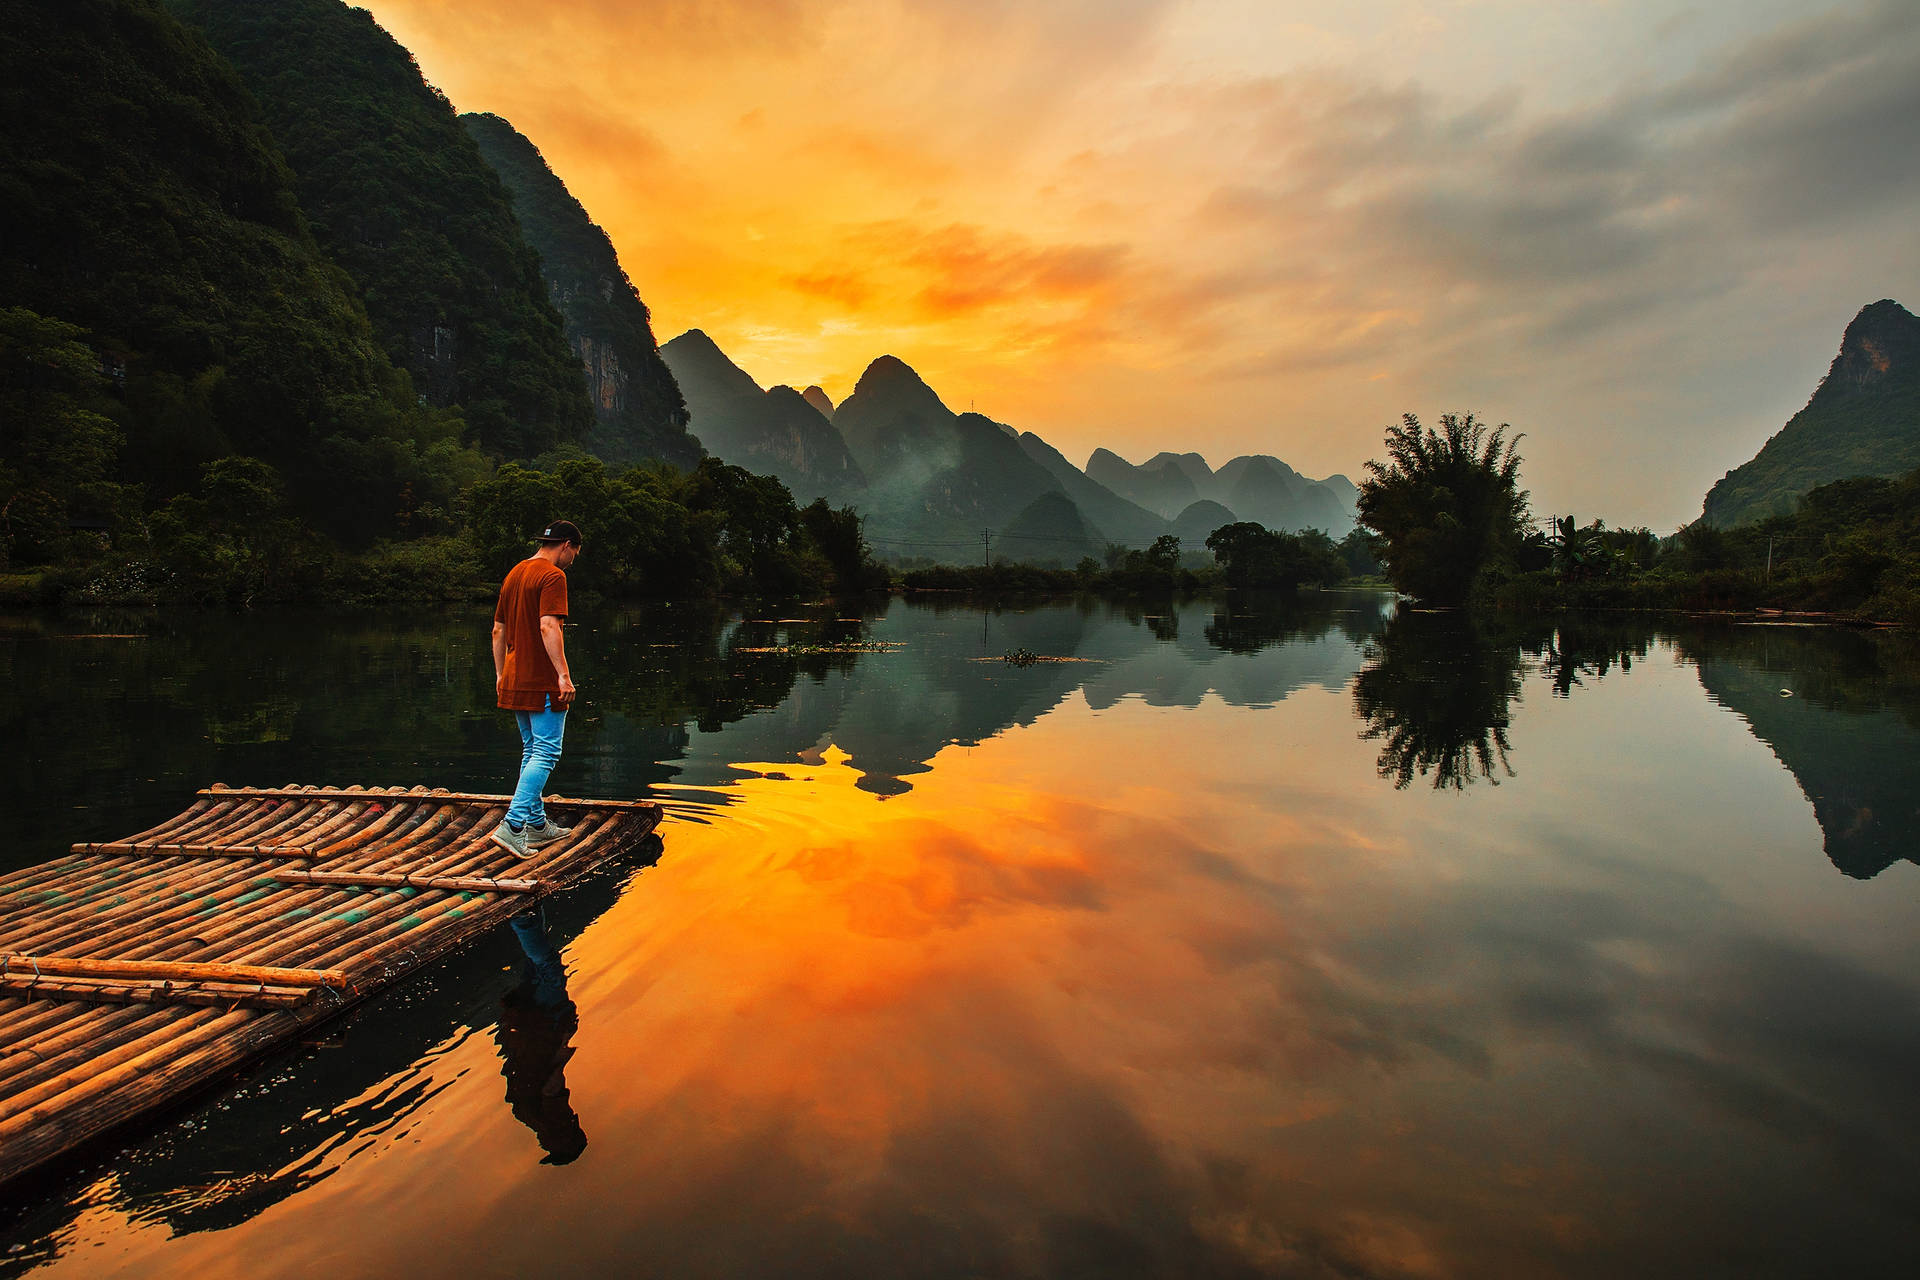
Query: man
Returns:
{"type": "Point", "coordinates": [531, 679]}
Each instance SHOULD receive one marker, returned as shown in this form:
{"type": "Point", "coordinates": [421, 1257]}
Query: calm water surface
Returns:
{"type": "Point", "coordinates": [1227, 941]}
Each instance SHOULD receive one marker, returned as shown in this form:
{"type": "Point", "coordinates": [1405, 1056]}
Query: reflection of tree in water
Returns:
{"type": "Point", "coordinates": [535, 1035]}
{"type": "Point", "coordinates": [1435, 691]}
{"type": "Point", "coordinates": [1581, 647]}
{"type": "Point", "coordinates": [1250, 621]}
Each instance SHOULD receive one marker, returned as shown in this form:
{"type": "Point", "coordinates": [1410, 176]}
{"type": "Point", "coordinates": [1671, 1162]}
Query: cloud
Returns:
{"type": "Point", "coordinates": [1106, 218]}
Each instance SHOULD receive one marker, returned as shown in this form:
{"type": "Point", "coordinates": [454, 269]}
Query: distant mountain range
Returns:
{"type": "Point", "coordinates": [931, 481]}
{"type": "Point", "coordinates": [1863, 420]}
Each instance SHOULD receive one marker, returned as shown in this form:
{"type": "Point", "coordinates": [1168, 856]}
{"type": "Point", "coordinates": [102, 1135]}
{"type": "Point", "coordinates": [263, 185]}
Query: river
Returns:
{"type": "Point", "coordinates": [1211, 939]}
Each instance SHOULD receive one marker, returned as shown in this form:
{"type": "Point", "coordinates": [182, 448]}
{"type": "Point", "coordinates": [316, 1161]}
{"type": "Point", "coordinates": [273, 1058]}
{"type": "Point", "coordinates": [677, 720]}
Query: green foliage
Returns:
{"type": "Point", "coordinates": [1252, 555]}
{"type": "Point", "coordinates": [656, 531]}
{"type": "Point", "coordinates": [1852, 548]}
{"type": "Point", "coordinates": [836, 534]}
{"type": "Point", "coordinates": [1444, 505]}
{"type": "Point", "coordinates": [234, 540]}
{"type": "Point", "coordinates": [1359, 554]}
{"type": "Point", "coordinates": [400, 197]}
{"type": "Point", "coordinates": [59, 453]}
{"type": "Point", "coordinates": [143, 200]}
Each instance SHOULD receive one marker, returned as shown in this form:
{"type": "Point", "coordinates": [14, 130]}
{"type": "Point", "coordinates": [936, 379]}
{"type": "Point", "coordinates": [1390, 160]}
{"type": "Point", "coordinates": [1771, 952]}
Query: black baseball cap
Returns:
{"type": "Point", "coordinates": [560, 531]}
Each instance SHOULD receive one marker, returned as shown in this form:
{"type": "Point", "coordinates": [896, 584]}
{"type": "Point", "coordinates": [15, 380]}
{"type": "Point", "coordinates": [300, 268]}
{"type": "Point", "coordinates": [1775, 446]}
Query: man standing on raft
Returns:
{"type": "Point", "coordinates": [531, 679]}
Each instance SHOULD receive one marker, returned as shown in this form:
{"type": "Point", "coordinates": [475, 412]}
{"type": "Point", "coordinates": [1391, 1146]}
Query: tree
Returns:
{"type": "Point", "coordinates": [1444, 504]}
{"type": "Point", "coordinates": [1251, 555]}
{"type": "Point", "coordinates": [1577, 553]}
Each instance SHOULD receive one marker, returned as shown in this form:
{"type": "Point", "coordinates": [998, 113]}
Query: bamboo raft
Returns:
{"type": "Point", "coordinates": [135, 972]}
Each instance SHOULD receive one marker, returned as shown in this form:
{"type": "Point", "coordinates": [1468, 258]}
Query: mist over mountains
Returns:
{"type": "Point", "coordinates": [937, 484]}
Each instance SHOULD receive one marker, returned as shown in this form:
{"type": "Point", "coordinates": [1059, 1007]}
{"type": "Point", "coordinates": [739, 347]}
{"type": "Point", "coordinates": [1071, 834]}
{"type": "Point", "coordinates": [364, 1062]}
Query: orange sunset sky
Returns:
{"type": "Point", "coordinates": [1635, 229]}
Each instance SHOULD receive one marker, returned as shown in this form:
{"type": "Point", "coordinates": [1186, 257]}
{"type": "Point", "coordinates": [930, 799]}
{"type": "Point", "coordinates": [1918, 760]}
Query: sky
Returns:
{"type": "Point", "coordinates": [1633, 229]}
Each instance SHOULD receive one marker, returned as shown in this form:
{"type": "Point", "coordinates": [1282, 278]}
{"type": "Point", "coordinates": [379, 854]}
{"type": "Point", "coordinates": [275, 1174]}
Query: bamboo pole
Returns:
{"type": "Point", "coordinates": [87, 1065]}
{"type": "Point", "coordinates": [104, 1102]}
{"type": "Point", "coordinates": [76, 967]}
{"type": "Point", "coordinates": [110, 1040]}
{"type": "Point", "coordinates": [113, 1070]}
{"type": "Point", "coordinates": [564, 802]}
{"type": "Point", "coordinates": [84, 1025]}
{"type": "Point", "coordinates": [200, 850]}
{"type": "Point", "coordinates": [157, 908]}
{"type": "Point", "coordinates": [407, 880]}
{"type": "Point", "coordinates": [161, 992]}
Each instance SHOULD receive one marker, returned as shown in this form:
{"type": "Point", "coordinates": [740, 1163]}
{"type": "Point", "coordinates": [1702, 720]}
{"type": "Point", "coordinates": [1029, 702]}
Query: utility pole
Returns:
{"type": "Point", "coordinates": [986, 540]}
{"type": "Point", "coordinates": [1769, 558]}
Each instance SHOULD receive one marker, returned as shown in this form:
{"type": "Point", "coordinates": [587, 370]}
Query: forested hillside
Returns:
{"type": "Point", "coordinates": [638, 410]}
{"type": "Point", "coordinates": [1864, 420]}
{"type": "Point", "coordinates": [400, 196]}
{"type": "Point", "coordinates": [164, 302]}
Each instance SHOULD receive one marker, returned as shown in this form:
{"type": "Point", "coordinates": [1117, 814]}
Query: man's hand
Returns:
{"type": "Point", "coordinates": [552, 636]}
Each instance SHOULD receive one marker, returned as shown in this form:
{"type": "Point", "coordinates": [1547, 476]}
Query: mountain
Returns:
{"type": "Point", "coordinates": [399, 196]}
{"type": "Point", "coordinates": [143, 198]}
{"type": "Point", "coordinates": [1194, 524]}
{"type": "Point", "coordinates": [1161, 486]}
{"type": "Point", "coordinates": [1051, 531]}
{"type": "Point", "coordinates": [929, 469]}
{"type": "Point", "coordinates": [1191, 465]}
{"type": "Point", "coordinates": [773, 432]}
{"type": "Point", "coordinates": [638, 410]}
{"type": "Point", "coordinates": [819, 400]}
{"type": "Point", "coordinates": [1264, 489]}
{"type": "Point", "coordinates": [1864, 419]}
{"type": "Point", "coordinates": [1121, 521]}
{"type": "Point", "coordinates": [1256, 487]}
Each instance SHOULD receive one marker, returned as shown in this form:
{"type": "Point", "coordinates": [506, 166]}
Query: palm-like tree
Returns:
{"type": "Point", "coordinates": [1443, 503]}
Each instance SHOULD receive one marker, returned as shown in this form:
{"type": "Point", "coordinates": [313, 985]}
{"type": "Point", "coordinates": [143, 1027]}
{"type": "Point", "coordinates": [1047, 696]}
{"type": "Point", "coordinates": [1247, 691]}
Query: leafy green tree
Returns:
{"type": "Point", "coordinates": [837, 536]}
{"type": "Point", "coordinates": [1357, 552]}
{"type": "Point", "coordinates": [1576, 552]}
{"type": "Point", "coordinates": [1164, 554]}
{"type": "Point", "coordinates": [234, 540]}
{"type": "Point", "coordinates": [1252, 555]}
{"type": "Point", "coordinates": [1444, 504]}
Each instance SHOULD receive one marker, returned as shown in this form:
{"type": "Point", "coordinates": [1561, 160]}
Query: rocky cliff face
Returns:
{"type": "Point", "coordinates": [1863, 420]}
{"type": "Point", "coordinates": [638, 408]}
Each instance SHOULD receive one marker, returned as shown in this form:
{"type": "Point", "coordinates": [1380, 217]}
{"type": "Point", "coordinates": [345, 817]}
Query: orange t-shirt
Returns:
{"type": "Point", "coordinates": [533, 589]}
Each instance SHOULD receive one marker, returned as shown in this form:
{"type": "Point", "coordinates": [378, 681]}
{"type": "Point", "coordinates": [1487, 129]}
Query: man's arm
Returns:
{"type": "Point", "coordinates": [499, 656]}
{"type": "Point", "coordinates": [551, 635]}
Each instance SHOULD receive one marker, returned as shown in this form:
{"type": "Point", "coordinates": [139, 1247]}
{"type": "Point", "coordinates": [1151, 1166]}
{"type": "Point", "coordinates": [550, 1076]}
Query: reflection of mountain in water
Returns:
{"type": "Point", "coordinates": [947, 684]}
{"type": "Point", "coordinates": [1841, 710]}
{"type": "Point", "coordinates": [217, 1167]}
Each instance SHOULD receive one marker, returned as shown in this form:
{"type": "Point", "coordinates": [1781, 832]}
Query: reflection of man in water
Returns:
{"type": "Point", "coordinates": [537, 1022]}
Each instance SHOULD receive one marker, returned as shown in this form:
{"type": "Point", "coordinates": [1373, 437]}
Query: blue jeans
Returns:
{"type": "Point", "coordinates": [541, 733]}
